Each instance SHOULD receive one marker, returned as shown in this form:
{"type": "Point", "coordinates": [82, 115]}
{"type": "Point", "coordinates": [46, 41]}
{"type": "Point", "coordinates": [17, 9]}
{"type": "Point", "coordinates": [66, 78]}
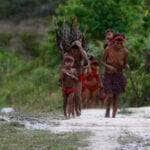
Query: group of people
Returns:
{"type": "Point", "coordinates": [81, 81]}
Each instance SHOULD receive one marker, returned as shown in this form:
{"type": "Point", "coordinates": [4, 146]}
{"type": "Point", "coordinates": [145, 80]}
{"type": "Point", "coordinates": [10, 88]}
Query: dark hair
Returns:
{"type": "Point", "coordinates": [119, 37]}
{"type": "Point", "coordinates": [75, 47]}
{"type": "Point", "coordinates": [109, 30]}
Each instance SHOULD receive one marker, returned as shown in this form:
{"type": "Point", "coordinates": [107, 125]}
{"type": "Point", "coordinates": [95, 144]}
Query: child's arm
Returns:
{"type": "Point", "coordinates": [75, 74]}
{"type": "Point", "coordinates": [104, 61]}
{"type": "Point", "coordinates": [83, 53]}
{"type": "Point", "coordinates": [71, 75]}
{"type": "Point", "coordinates": [126, 60]}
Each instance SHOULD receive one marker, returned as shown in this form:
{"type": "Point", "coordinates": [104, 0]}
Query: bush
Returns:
{"type": "Point", "coordinates": [30, 42]}
{"type": "Point", "coordinates": [122, 16]}
{"type": "Point", "coordinates": [27, 8]}
{"type": "Point", "coordinates": [137, 91]}
{"type": "Point", "coordinates": [5, 39]}
{"type": "Point", "coordinates": [28, 84]}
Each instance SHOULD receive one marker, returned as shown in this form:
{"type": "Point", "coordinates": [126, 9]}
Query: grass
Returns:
{"type": "Point", "coordinates": [14, 138]}
{"type": "Point", "coordinates": [28, 85]}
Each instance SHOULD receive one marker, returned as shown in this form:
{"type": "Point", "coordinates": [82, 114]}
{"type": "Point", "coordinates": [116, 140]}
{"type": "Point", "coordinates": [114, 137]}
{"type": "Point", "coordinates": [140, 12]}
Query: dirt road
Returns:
{"type": "Point", "coordinates": [130, 130]}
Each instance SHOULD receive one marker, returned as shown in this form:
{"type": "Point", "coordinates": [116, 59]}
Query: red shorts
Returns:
{"type": "Point", "coordinates": [69, 90]}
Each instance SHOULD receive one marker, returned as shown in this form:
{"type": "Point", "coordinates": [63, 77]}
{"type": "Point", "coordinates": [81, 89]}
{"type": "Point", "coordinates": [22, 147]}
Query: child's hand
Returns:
{"type": "Point", "coordinates": [113, 69]}
{"type": "Point", "coordinates": [127, 66]}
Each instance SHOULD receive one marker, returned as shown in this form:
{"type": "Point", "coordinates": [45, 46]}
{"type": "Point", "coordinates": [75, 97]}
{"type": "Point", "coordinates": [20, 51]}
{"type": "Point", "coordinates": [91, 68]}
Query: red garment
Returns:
{"type": "Point", "coordinates": [90, 77]}
{"type": "Point", "coordinates": [81, 78]}
{"type": "Point", "coordinates": [91, 88]}
{"type": "Point", "coordinates": [69, 90]}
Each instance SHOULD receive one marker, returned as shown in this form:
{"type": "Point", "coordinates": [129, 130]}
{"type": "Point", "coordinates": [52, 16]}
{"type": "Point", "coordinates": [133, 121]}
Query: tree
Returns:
{"type": "Point", "coordinates": [98, 15]}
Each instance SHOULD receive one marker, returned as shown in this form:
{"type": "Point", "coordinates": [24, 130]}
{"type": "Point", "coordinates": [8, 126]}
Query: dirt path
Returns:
{"type": "Point", "coordinates": [129, 131]}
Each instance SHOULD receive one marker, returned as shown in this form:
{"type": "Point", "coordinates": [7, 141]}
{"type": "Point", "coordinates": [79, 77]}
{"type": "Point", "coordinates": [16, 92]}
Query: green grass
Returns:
{"type": "Point", "coordinates": [28, 84]}
{"type": "Point", "coordinates": [13, 138]}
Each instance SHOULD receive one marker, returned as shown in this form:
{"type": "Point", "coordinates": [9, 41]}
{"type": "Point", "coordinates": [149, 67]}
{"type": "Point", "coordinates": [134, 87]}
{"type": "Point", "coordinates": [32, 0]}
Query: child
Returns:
{"type": "Point", "coordinates": [109, 34]}
{"type": "Point", "coordinates": [68, 80]}
{"type": "Point", "coordinates": [80, 60]}
{"type": "Point", "coordinates": [115, 61]}
{"type": "Point", "coordinates": [91, 84]}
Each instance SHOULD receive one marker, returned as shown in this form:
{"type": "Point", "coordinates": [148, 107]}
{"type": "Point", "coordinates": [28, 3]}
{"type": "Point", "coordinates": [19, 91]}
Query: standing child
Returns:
{"type": "Point", "coordinates": [91, 84]}
{"type": "Point", "coordinates": [68, 80]}
{"type": "Point", "coordinates": [109, 34]}
{"type": "Point", "coordinates": [115, 61]}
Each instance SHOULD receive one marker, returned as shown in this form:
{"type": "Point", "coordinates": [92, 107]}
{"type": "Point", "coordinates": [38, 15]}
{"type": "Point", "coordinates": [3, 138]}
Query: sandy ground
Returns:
{"type": "Point", "coordinates": [128, 131]}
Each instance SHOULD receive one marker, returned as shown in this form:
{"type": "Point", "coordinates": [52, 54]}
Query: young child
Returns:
{"type": "Point", "coordinates": [91, 84]}
{"type": "Point", "coordinates": [115, 61]}
{"type": "Point", "coordinates": [80, 60]}
{"type": "Point", "coordinates": [68, 80]}
{"type": "Point", "coordinates": [109, 34]}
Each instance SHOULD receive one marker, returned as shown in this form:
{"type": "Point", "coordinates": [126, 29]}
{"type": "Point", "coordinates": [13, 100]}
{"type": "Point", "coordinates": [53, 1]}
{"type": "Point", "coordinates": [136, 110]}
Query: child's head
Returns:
{"type": "Point", "coordinates": [109, 34]}
{"type": "Point", "coordinates": [75, 49]}
{"type": "Point", "coordinates": [68, 60]}
{"type": "Point", "coordinates": [93, 62]}
{"type": "Point", "coordinates": [119, 40]}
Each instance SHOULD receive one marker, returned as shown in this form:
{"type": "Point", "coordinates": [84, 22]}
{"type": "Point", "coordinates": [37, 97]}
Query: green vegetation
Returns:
{"type": "Point", "coordinates": [13, 138]}
{"type": "Point", "coordinates": [34, 83]}
{"type": "Point", "coordinates": [28, 84]}
{"type": "Point", "coordinates": [10, 9]}
{"type": "Point", "coordinates": [5, 39]}
{"type": "Point", "coordinates": [128, 17]}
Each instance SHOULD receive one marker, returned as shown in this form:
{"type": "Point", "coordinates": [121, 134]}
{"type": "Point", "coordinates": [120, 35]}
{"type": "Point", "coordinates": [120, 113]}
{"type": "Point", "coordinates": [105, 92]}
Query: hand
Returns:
{"type": "Point", "coordinates": [127, 66]}
{"type": "Point", "coordinates": [113, 69]}
{"type": "Point", "coordinates": [78, 43]}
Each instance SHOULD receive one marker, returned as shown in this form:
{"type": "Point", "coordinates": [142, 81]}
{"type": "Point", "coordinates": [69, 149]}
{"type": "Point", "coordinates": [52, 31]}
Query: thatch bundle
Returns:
{"type": "Point", "coordinates": [67, 34]}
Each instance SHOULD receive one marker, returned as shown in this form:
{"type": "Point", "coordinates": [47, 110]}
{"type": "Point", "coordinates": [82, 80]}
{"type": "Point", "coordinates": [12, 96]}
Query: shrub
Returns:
{"type": "Point", "coordinates": [5, 39]}
{"type": "Point", "coordinates": [30, 42]}
{"type": "Point", "coordinates": [27, 84]}
{"type": "Point", "coordinates": [123, 16]}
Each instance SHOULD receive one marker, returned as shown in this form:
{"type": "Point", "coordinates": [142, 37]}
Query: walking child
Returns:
{"type": "Point", "coordinates": [115, 61]}
{"type": "Point", "coordinates": [91, 84]}
{"type": "Point", "coordinates": [109, 34]}
{"type": "Point", "coordinates": [68, 80]}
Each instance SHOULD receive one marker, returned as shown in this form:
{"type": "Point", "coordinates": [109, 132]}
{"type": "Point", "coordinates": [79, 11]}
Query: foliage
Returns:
{"type": "Point", "coordinates": [30, 42]}
{"type": "Point", "coordinates": [34, 139]}
{"type": "Point", "coordinates": [122, 16]}
{"type": "Point", "coordinates": [5, 39]}
{"type": "Point", "coordinates": [34, 83]}
{"type": "Point", "coordinates": [49, 53]}
{"type": "Point", "coordinates": [28, 84]}
{"type": "Point", "coordinates": [137, 91]}
{"type": "Point", "coordinates": [27, 8]}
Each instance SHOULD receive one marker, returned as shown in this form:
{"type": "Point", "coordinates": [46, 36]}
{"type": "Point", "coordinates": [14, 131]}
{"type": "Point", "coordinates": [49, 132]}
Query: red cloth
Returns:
{"type": "Point", "coordinates": [91, 88]}
{"type": "Point", "coordinates": [90, 77]}
{"type": "Point", "coordinates": [69, 90]}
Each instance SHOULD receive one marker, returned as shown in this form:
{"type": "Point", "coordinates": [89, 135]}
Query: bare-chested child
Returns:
{"type": "Point", "coordinates": [68, 80]}
{"type": "Point", "coordinates": [115, 61]}
{"type": "Point", "coordinates": [109, 34]}
{"type": "Point", "coordinates": [91, 84]}
{"type": "Point", "coordinates": [80, 60]}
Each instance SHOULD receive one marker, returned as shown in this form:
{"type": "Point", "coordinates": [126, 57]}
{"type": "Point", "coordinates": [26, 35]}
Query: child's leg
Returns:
{"type": "Point", "coordinates": [87, 98]}
{"type": "Point", "coordinates": [73, 104]}
{"type": "Point", "coordinates": [70, 104]}
{"type": "Point", "coordinates": [78, 100]}
{"type": "Point", "coordinates": [115, 105]}
{"type": "Point", "coordinates": [108, 105]}
{"type": "Point", "coordinates": [84, 98]}
{"type": "Point", "coordinates": [94, 97]}
{"type": "Point", "coordinates": [65, 104]}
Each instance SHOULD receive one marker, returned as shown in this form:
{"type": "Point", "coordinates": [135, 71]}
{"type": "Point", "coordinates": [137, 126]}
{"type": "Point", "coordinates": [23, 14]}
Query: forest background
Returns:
{"type": "Point", "coordinates": [30, 60]}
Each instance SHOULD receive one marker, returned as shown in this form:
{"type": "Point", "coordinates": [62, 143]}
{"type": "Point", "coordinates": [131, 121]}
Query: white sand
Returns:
{"type": "Point", "coordinates": [105, 131]}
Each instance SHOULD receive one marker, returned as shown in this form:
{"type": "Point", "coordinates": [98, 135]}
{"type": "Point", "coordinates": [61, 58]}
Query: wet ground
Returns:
{"type": "Point", "coordinates": [130, 130]}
